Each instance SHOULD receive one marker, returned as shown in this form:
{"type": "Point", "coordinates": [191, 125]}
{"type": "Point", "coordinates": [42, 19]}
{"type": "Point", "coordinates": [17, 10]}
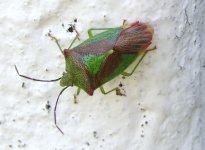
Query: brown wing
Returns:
{"type": "Point", "coordinates": [107, 69]}
{"type": "Point", "coordinates": [134, 38]}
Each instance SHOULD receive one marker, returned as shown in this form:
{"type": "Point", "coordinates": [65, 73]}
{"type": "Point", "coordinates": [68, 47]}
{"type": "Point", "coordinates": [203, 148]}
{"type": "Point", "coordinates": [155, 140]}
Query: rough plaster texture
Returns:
{"type": "Point", "coordinates": [163, 108]}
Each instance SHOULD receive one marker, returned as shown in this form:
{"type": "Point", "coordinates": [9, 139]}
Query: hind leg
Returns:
{"type": "Point", "coordinates": [140, 60]}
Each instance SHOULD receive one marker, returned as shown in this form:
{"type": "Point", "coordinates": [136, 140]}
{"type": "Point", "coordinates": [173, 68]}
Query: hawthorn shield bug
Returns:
{"type": "Point", "coordinates": [102, 57]}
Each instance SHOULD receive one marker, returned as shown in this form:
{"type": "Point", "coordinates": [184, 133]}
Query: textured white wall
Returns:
{"type": "Point", "coordinates": [162, 109]}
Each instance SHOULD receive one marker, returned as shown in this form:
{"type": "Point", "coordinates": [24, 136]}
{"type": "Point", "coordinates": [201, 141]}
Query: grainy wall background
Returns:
{"type": "Point", "coordinates": [164, 104]}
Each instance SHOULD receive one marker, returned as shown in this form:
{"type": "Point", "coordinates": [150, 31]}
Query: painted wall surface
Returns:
{"type": "Point", "coordinates": [163, 107]}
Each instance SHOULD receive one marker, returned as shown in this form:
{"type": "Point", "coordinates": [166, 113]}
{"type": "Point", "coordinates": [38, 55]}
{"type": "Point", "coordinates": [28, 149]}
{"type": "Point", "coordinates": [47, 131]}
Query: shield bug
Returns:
{"type": "Point", "coordinates": [102, 57]}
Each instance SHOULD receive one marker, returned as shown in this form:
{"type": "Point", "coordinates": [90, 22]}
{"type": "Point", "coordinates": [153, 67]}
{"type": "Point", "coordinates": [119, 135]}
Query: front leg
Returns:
{"type": "Point", "coordinates": [56, 41]}
{"type": "Point", "coordinates": [76, 37]}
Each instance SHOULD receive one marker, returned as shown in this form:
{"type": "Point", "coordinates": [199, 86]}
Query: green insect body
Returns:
{"type": "Point", "coordinates": [104, 56]}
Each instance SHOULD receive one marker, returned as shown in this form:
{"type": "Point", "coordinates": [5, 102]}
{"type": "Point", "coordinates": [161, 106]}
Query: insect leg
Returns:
{"type": "Point", "coordinates": [90, 34]}
{"type": "Point", "coordinates": [140, 60]}
{"type": "Point", "coordinates": [151, 49]}
{"type": "Point", "coordinates": [23, 76]}
{"type": "Point", "coordinates": [78, 91]}
{"type": "Point", "coordinates": [55, 120]}
{"type": "Point", "coordinates": [75, 96]}
{"type": "Point", "coordinates": [76, 37]}
{"type": "Point", "coordinates": [117, 90]}
{"type": "Point", "coordinates": [56, 40]}
{"type": "Point", "coordinates": [124, 23]}
{"type": "Point", "coordinates": [73, 41]}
